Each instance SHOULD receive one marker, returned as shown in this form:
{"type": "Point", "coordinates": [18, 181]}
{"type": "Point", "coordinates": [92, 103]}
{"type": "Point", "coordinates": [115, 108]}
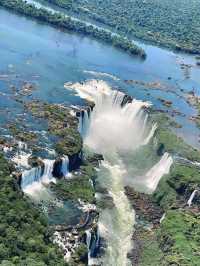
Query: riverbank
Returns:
{"type": "Point", "coordinates": [65, 22]}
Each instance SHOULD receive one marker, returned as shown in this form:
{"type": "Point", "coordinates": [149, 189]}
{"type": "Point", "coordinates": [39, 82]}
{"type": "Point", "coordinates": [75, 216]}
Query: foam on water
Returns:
{"type": "Point", "coordinates": [101, 74]}
{"type": "Point", "coordinates": [90, 89]}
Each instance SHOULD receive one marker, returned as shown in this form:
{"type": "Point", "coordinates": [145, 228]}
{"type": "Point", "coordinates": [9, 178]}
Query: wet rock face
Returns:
{"type": "Point", "coordinates": [127, 99]}
{"type": "Point", "coordinates": [161, 150]}
{"type": "Point", "coordinates": [75, 161]}
{"type": "Point", "coordinates": [95, 159]}
{"type": "Point", "coordinates": [57, 168]}
{"type": "Point", "coordinates": [18, 177]}
{"type": "Point", "coordinates": [144, 206]}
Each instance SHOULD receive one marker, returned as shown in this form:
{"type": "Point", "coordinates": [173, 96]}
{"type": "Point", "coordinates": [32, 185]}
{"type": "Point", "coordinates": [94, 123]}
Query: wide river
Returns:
{"type": "Point", "coordinates": [49, 57]}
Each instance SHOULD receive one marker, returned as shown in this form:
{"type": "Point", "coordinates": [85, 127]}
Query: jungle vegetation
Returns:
{"type": "Point", "coordinates": [24, 235]}
{"type": "Point", "coordinates": [171, 23]}
{"type": "Point", "coordinates": [65, 22]}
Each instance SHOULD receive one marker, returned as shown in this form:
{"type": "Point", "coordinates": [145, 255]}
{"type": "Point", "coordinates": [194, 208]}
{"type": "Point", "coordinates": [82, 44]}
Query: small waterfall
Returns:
{"type": "Point", "coordinates": [186, 161]}
{"type": "Point", "coordinates": [33, 179]}
{"type": "Point", "coordinates": [150, 135]}
{"type": "Point", "coordinates": [92, 241]}
{"type": "Point", "coordinates": [22, 145]}
{"type": "Point", "coordinates": [88, 242]}
{"type": "Point", "coordinates": [48, 170]}
{"type": "Point", "coordinates": [162, 218]}
{"type": "Point", "coordinates": [31, 176]}
{"type": "Point", "coordinates": [84, 122]}
{"type": "Point", "coordinates": [189, 202]}
{"type": "Point", "coordinates": [160, 169]}
{"type": "Point", "coordinates": [22, 155]}
{"type": "Point", "coordinates": [65, 166]}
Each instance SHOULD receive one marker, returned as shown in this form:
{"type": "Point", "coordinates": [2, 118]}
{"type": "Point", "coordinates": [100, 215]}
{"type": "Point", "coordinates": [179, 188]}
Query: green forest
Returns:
{"type": "Point", "coordinates": [61, 21]}
{"type": "Point", "coordinates": [171, 23]}
{"type": "Point", "coordinates": [24, 235]}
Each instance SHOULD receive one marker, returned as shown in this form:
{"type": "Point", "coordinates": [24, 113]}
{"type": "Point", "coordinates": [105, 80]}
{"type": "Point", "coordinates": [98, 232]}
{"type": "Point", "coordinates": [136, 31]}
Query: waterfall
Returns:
{"type": "Point", "coordinates": [84, 122]}
{"type": "Point", "coordinates": [192, 197]}
{"type": "Point", "coordinates": [65, 166]}
{"type": "Point", "coordinates": [162, 218]}
{"type": "Point", "coordinates": [115, 127]}
{"type": "Point", "coordinates": [88, 241]}
{"type": "Point", "coordinates": [118, 125]}
{"type": "Point", "coordinates": [31, 176]}
{"type": "Point", "coordinates": [22, 145]}
{"type": "Point", "coordinates": [34, 179]}
{"type": "Point", "coordinates": [92, 241]}
{"type": "Point", "coordinates": [48, 170]}
{"type": "Point", "coordinates": [186, 161]}
{"type": "Point", "coordinates": [22, 155]}
{"type": "Point", "coordinates": [154, 175]}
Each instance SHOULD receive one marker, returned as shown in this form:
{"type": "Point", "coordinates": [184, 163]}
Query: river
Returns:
{"type": "Point", "coordinates": [52, 57]}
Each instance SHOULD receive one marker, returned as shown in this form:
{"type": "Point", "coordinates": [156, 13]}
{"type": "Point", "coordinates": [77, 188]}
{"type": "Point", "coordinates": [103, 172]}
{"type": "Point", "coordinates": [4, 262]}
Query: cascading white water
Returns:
{"type": "Point", "coordinates": [84, 122]}
{"type": "Point", "coordinates": [88, 242]}
{"type": "Point", "coordinates": [92, 241]}
{"type": "Point", "coordinates": [31, 176]}
{"type": "Point", "coordinates": [149, 181]}
{"type": "Point", "coordinates": [65, 166]}
{"type": "Point", "coordinates": [22, 155]}
{"type": "Point", "coordinates": [48, 170]}
{"type": "Point", "coordinates": [154, 175]}
{"type": "Point", "coordinates": [116, 225]}
{"type": "Point", "coordinates": [114, 127]}
{"type": "Point", "coordinates": [22, 145]}
{"type": "Point", "coordinates": [34, 179]}
{"type": "Point", "coordinates": [189, 202]}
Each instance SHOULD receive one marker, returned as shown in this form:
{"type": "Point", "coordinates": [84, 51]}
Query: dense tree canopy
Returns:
{"type": "Point", "coordinates": [65, 22]}
{"type": "Point", "coordinates": [24, 236]}
{"type": "Point", "coordinates": [173, 23]}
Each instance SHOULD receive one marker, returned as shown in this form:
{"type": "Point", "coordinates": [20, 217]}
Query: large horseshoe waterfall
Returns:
{"type": "Point", "coordinates": [117, 126]}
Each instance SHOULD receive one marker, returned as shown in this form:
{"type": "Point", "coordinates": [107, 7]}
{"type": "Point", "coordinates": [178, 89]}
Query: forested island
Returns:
{"type": "Point", "coordinates": [65, 22]}
{"type": "Point", "coordinates": [174, 24]}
